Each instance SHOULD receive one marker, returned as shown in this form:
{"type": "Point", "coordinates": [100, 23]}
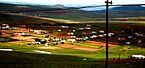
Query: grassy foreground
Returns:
{"type": "Point", "coordinates": [24, 56]}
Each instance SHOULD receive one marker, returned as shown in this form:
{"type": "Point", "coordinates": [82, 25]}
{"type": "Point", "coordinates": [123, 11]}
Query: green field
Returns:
{"type": "Point", "coordinates": [24, 55]}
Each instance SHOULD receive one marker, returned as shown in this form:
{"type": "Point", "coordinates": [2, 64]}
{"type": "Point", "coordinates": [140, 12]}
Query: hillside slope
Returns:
{"type": "Point", "coordinates": [16, 19]}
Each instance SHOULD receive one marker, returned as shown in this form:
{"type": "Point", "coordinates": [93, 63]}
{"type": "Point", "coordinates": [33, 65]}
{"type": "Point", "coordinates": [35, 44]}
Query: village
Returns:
{"type": "Point", "coordinates": [60, 34]}
{"type": "Point", "coordinates": [72, 34]}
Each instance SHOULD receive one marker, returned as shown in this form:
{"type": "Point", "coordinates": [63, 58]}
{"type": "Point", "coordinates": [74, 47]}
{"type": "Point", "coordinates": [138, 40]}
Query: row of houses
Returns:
{"type": "Point", "coordinates": [4, 26]}
{"type": "Point", "coordinates": [47, 41]}
{"type": "Point", "coordinates": [87, 32]}
{"type": "Point", "coordinates": [132, 37]}
{"type": "Point", "coordinates": [129, 37]}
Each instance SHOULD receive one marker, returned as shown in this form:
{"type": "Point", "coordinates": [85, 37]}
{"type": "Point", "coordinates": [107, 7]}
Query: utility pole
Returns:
{"type": "Point", "coordinates": [107, 10]}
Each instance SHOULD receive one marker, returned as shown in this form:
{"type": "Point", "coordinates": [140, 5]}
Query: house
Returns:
{"type": "Point", "coordinates": [85, 38]}
{"type": "Point", "coordinates": [93, 32]}
{"type": "Point", "coordinates": [101, 31]}
{"type": "Point", "coordinates": [89, 25]}
{"type": "Point", "coordinates": [64, 26]}
{"type": "Point", "coordinates": [73, 36]}
{"type": "Point", "coordinates": [43, 41]}
{"type": "Point", "coordinates": [122, 40]}
{"type": "Point", "coordinates": [101, 35]}
{"type": "Point", "coordinates": [5, 26]}
{"type": "Point", "coordinates": [139, 35]}
{"type": "Point", "coordinates": [110, 34]}
{"type": "Point", "coordinates": [56, 39]}
{"type": "Point", "coordinates": [127, 43]}
{"type": "Point", "coordinates": [94, 36]}
{"type": "Point", "coordinates": [37, 31]}
{"type": "Point", "coordinates": [71, 33]}
{"type": "Point", "coordinates": [86, 32]}
{"type": "Point", "coordinates": [24, 26]}
{"type": "Point", "coordinates": [46, 44]}
{"type": "Point", "coordinates": [130, 36]}
{"type": "Point", "coordinates": [62, 41]}
{"type": "Point", "coordinates": [74, 30]}
{"type": "Point", "coordinates": [88, 28]}
{"type": "Point", "coordinates": [71, 40]}
{"type": "Point", "coordinates": [59, 30]}
{"type": "Point", "coordinates": [20, 34]}
{"type": "Point", "coordinates": [137, 57]}
{"type": "Point", "coordinates": [81, 28]}
{"type": "Point", "coordinates": [79, 39]}
{"type": "Point", "coordinates": [36, 43]}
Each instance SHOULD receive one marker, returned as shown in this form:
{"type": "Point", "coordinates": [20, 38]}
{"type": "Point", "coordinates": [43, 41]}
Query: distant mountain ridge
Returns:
{"type": "Point", "coordinates": [13, 7]}
{"type": "Point", "coordinates": [127, 8]}
{"type": "Point", "coordinates": [124, 11]}
{"type": "Point", "coordinates": [63, 12]}
{"type": "Point", "coordinates": [56, 11]}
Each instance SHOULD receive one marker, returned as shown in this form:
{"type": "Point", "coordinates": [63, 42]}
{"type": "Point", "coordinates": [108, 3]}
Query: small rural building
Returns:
{"type": "Point", "coordinates": [137, 57]}
{"type": "Point", "coordinates": [38, 31]}
{"type": "Point", "coordinates": [79, 39]}
{"type": "Point", "coordinates": [71, 40]}
{"type": "Point", "coordinates": [4, 26]}
{"type": "Point", "coordinates": [101, 35]}
{"type": "Point", "coordinates": [101, 31]}
{"type": "Point", "coordinates": [71, 33]}
{"type": "Point", "coordinates": [94, 36]}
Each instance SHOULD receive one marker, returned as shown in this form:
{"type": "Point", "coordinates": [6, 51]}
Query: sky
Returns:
{"type": "Point", "coordinates": [74, 2]}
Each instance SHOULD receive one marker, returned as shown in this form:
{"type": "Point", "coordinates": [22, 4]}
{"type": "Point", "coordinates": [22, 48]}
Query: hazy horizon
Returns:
{"type": "Point", "coordinates": [73, 2]}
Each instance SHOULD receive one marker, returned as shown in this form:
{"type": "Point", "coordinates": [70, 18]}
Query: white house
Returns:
{"type": "Point", "coordinates": [87, 28]}
{"type": "Point", "coordinates": [94, 36]}
{"type": "Point", "coordinates": [71, 40]}
{"type": "Point", "coordinates": [5, 26]}
{"type": "Point", "coordinates": [38, 31]}
{"type": "Point", "coordinates": [59, 30]}
{"type": "Point", "coordinates": [64, 26]}
{"type": "Point", "coordinates": [137, 56]}
{"type": "Point", "coordinates": [73, 36]}
{"type": "Point", "coordinates": [100, 35]}
{"type": "Point", "coordinates": [70, 33]}
{"type": "Point", "coordinates": [101, 31]}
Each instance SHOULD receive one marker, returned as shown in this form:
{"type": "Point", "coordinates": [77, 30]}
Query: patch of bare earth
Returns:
{"type": "Point", "coordinates": [77, 47]}
{"type": "Point", "coordinates": [101, 43]}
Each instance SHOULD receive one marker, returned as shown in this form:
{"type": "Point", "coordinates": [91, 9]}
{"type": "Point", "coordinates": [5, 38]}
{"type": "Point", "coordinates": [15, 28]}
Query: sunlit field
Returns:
{"type": "Point", "coordinates": [25, 55]}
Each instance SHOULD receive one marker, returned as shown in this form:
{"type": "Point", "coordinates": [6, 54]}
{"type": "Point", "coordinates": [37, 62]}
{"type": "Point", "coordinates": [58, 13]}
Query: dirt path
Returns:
{"type": "Point", "coordinates": [77, 47]}
{"type": "Point", "coordinates": [100, 44]}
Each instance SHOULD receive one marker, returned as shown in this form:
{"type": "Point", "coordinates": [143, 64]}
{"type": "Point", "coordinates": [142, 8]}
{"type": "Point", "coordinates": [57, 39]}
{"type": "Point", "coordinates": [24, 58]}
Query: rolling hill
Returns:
{"type": "Point", "coordinates": [17, 19]}
{"type": "Point", "coordinates": [63, 12]}
{"type": "Point", "coordinates": [125, 11]}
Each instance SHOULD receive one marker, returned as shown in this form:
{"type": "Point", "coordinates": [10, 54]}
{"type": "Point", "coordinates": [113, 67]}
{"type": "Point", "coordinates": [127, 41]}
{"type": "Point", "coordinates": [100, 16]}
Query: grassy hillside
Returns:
{"type": "Point", "coordinates": [17, 19]}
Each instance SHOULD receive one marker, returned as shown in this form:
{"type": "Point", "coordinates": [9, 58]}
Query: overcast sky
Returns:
{"type": "Point", "coordinates": [81, 2]}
